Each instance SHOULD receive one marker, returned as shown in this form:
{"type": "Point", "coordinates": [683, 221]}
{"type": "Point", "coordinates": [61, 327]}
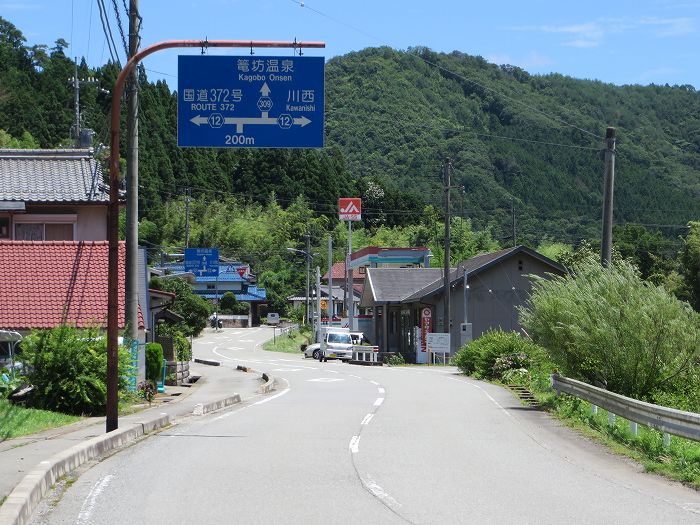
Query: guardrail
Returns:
{"type": "Point", "coordinates": [667, 420]}
{"type": "Point", "coordinates": [365, 354]}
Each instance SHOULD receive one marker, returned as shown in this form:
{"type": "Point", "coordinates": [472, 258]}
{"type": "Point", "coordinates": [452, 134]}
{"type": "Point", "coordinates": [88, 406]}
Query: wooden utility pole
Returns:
{"type": "Point", "coordinates": [606, 245]}
{"type": "Point", "coordinates": [448, 216]}
{"type": "Point", "coordinates": [187, 217]}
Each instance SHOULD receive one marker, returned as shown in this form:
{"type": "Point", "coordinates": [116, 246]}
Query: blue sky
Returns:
{"type": "Point", "coordinates": [622, 42]}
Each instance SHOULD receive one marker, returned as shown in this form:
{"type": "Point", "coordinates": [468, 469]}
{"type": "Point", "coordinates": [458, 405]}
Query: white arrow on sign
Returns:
{"type": "Point", "coordinates": [265, 90]}
{"type": "Point", "coordinates": [241, 121]}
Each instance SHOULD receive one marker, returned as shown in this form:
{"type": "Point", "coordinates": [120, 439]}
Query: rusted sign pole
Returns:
{"type": "Point", "coordinates": [113, 216]}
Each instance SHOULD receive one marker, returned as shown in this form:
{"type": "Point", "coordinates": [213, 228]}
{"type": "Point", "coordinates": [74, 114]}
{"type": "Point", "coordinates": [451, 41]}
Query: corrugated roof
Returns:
{"type": "Point", "coordinates": [46, 283]}
{"type": "Point", "coordinates": [395, 284]}
{"type": "Point", "coordinates": [338, 270]}
{"type": "Point", "coordinates": [34, 175]}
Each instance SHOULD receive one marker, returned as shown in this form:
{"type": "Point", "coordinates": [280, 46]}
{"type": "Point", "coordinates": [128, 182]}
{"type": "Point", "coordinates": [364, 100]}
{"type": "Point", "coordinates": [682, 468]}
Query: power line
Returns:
{"type": "Point", "coordinates": [120, 26]}
{"type": "Point", "coordinates": [458, 75]}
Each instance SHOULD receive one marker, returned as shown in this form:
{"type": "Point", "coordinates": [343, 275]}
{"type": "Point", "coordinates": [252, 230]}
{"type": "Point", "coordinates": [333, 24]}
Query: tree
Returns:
{"type": "Point", "coordinates": [690, 260]}
{"type": "Point", "coordinates": [193, 308]}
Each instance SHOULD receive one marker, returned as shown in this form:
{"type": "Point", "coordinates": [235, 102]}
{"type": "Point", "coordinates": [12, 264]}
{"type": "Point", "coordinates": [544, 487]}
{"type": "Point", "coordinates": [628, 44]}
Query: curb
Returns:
{"type": "Point", "coordinates": [243, 368]}
{"type": "Point", "coordinates": [209, 362]}
{"type": "Point", "coordinates": [24, 498]}
{"type": "Point", "coordinates": [269, 384]}
{"type": "Point", "coordinates": [204, 408]}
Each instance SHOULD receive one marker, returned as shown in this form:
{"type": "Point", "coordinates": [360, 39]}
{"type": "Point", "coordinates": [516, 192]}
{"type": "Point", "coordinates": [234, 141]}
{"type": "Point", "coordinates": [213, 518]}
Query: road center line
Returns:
{"type": "Point", "coordinates": [381, 390]}
{"type": "Point", "coordinates": [355, 444]}
{"type": "Point", "coordinates": [374, 383]}
{"type": "Point", "coordinates": [379, 401]}
{"type": "Point", "coordinates": [367, 419]}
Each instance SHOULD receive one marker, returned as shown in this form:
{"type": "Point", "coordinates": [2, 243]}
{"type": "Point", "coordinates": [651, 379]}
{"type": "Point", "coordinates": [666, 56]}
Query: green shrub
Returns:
{"type": "Point", "coordinates": [154, 361]}
{"type": "Point", "coordinates": [395, 360]}
{"type": "Point", "coordinates": [68, 368]}
{"type": "Point", "coordinates": [496, 352]}
{"type": "Point", "coordinates": [607, 325]}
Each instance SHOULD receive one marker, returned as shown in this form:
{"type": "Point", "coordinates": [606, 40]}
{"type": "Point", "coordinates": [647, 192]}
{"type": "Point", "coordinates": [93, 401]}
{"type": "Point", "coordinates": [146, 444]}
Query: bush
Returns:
{"type": "Point", "coordinates": [68, 368]}
{"type": "Point", "coordinates": [496, 352]}
{"type": "Point", "coordinates": [608, 326]}
{"type": "Point", "coordinates": [395, 360]}
{"type": "Point", "coordinates": [154, 361]}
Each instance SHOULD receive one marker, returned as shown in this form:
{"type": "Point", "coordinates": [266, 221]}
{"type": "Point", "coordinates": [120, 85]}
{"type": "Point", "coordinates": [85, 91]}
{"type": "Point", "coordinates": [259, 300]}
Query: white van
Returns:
{"type": "Point", "coordinates": [336, 344]}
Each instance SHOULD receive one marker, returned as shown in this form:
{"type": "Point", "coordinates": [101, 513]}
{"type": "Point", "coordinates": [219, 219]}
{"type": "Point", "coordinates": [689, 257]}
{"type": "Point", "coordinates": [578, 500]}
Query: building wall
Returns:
{"type": "Point", "coordinates": [92, 223]}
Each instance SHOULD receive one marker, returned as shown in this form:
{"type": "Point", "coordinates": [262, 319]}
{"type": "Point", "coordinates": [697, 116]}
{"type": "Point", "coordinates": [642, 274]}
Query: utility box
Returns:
{"type": "Point", "coordinates": [465, 334]}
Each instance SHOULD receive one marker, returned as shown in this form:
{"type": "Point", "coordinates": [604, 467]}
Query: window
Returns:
{"type": "Point", "coordinates": [363, 269]}
{"type": "Point", "coordinates": [46, 227]}
{"type": "Point", "coordinates": [520, 266]}
{"type": "Point", "coordinates": [4, 227]}
{"type": "Point", "coordinates": [211, 287]}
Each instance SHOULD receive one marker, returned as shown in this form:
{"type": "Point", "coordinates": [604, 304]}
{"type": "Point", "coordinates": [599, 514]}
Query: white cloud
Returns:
{"type": "Point", "coordinates": [19, 6]}
{"type": "Point", "coordinates": [666, 27]}
{"type": "Point", "coordinates": [581, 43]}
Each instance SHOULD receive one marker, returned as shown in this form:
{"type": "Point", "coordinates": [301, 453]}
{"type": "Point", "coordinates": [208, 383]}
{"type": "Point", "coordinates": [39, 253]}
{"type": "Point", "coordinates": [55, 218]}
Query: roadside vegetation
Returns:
{"type": "Point", "coordinates": [613, 329]}
{"type": "Point", "coordinates": [16, 421]}
{"type": "Point", "coordinates": [288, 343]}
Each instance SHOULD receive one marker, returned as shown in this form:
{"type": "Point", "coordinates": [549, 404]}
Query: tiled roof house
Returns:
{"type": "Point", "coordinates": [45, 284]}
{"type": "Point", "coordinates": [53, 195]}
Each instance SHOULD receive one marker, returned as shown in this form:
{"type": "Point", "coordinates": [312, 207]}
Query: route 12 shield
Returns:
{"type": "Point", "coordinates": [250, 101]}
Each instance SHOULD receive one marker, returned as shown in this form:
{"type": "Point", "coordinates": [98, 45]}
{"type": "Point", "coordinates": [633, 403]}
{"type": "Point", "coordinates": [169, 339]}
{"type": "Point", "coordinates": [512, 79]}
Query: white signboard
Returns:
{"type": "Point", "coordinates": [438, 343]}
{"type": "Point", "coordinates": [273, 318]}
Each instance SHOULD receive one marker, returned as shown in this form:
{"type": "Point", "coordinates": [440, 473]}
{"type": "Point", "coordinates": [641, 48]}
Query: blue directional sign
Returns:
{"type": "Point", "coordinates": [203, 262]}
{"type": "Point", "coordinates": [250, 101]}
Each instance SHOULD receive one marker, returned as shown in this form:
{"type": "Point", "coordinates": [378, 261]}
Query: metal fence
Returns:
{"type": "Point", "coordinates": [668, 420]}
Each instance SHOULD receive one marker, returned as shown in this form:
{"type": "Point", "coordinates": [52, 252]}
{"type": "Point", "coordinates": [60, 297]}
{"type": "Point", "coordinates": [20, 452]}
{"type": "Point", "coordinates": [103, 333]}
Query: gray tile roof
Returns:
{"type": "Point", "coordinates": [33, 175]}
{"type": "Point", "coordinates": [478, 263]}
{"type": "Point", "coordinates": [395, 284]}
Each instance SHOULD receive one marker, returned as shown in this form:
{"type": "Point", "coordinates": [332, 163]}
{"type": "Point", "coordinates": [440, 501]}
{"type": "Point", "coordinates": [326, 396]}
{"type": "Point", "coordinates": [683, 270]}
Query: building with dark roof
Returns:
{"type": "Point", "coordinates": [401, 299]}
{"type": "Point", "coordinates": [52, 195]}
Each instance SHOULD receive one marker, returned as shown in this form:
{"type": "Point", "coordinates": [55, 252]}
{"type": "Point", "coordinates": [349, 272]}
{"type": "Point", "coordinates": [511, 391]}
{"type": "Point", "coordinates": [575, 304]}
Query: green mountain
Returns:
{"type": "Point", "coordinates": [533, 142]}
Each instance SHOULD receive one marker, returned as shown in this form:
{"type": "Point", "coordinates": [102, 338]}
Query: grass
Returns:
{"type": "Point", "coordinates": [18, 421]}
{"type": "Point", "coordinates": [289, 344]}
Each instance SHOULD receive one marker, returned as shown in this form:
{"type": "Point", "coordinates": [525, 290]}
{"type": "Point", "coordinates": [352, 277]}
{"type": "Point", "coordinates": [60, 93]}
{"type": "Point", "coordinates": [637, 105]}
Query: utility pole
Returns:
{"type": "Point", "coordinates": [132, 184]}
{"type": "Point", "coordinates": [446, 173]}
{"type": "Point", "coordinates": [606, 245]}
{"type": "Point", "coordinates": [330, 280]}
{"type": "Point", "coordinates": [512, 214]}
{"type": "Point", "coordinates": [76, 83]}
{"type": "Point", "coordinates": [318, 304]}
{"type": "Point", "coordinates": [308, 271]}
{"type": "Point", "coordinates": [187, 217]}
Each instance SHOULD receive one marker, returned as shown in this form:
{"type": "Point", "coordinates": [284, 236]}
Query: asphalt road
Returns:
{"type": "Point", "coordinates": [337, 443]}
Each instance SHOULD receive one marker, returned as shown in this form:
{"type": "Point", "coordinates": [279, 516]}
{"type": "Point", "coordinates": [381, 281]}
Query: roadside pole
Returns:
{"type": "Point", "coordinates": [308, 277]}
{"type": "Point", "coordinates": [606, 245]}
{"type": "Point", "coordinates": [349, 293]}
{"type": "Point", "coordinates": [318, 304]}
{"type": "Point", "coordinates": [112, 405]}
{"type": "Point", "coordinates": [330, 280]}
{"type": "Point", "coordinates": [446, 262]}
{"type": "Point", "coordinates": [132, 184]}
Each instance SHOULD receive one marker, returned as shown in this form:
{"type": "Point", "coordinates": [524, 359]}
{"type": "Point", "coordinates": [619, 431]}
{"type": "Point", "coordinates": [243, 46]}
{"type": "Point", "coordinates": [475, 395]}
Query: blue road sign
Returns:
{"type": "Point", "coordinates": [203, 262]}
{"type": "Point", "coordinates": [250, 102]}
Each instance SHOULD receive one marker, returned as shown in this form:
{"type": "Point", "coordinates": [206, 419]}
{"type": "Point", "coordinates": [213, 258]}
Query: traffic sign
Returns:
{"type": "Point", "coordinates": [203, 262]}
{"type": "Point", "coordinates": [250, 102]}
{"type": "Point", "coordinates": [438, 343]}
{"type": "Point", "coordinates": [350, 209]}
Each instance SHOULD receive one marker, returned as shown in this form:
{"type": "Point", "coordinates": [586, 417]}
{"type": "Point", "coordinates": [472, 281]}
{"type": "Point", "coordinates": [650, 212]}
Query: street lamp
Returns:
{"type": "Point", "coordinates": [308, 256]}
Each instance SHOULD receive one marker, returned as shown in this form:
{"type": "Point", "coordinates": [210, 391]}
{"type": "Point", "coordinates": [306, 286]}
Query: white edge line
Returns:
{"type": "Point", "coordinates": [379, 401]}
{"type": "Point", "coordinates": [381, 390]}
{"type": "Point", "coordinates": [367, 419]}
{"type": "Point", "coordinates": [91, 500]}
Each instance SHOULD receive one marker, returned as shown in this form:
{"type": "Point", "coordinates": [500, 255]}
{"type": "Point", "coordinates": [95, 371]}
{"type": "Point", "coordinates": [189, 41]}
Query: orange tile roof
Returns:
{"type": "Point", "coordinates": [46, 283]}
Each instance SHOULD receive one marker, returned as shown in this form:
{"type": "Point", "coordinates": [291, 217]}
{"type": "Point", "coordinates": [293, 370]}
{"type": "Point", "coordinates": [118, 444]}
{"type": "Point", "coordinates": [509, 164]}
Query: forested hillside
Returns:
{"type": "Point", "coordinates": [392, 117]}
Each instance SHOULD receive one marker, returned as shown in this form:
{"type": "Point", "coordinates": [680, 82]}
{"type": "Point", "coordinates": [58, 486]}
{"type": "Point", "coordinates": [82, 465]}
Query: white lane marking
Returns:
{"type": "Point", "coordinates": [206, 342]}
{"type": "Point", "coordinates": [267, 399]}
{"type": "Point", "coordinates": [380, 493]}
{"type": "Point", "coordinates": [324, 380]}
{"type": "Point", "coordinates": [381, 390]}
{"type": "Point", "coordinates": [91, 500]}
{"type": "Point", "coordinates": [501, 407]}
{"type": "Point", "coordinates": [246, 341]}
{"type": "Point", "coordinates": [333, 372]}
{"type": "Point", "coordinates": [353, 375]}
{"type": "Point", "coordinates": [354, 444]}
{"type": "Point", "coordinates": [233, 348]}
{"type": "Point", "coordinates": [224, 356]}
{"type": "Point", "coordinates": [379, 401]}
{"type": "Point", "coordinates": [374, 383]}
{"type": "Point", "coordinates": [286, 369]}
{"type": "Point", "coordinates": [367, 419]}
